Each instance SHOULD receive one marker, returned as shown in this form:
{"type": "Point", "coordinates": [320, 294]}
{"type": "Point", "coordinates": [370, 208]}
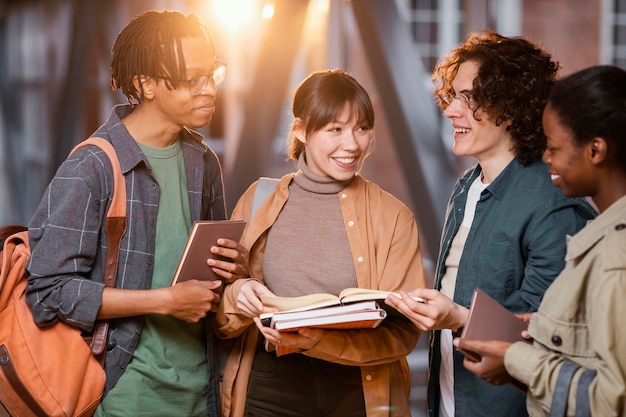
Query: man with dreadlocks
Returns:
{"type": "Point", "coordinates": [160, 353]}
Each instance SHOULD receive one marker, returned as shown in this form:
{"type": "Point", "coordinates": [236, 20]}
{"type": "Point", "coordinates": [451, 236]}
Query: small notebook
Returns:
{"type": "Point", "coordinates": [203, 235]}
{"type": "Point", "coordinates": [490, 320]}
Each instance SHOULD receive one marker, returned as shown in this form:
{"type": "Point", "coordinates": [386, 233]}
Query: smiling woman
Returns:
{"type": "Point", "coordinates": [323, 229]}
{"type": "Point", "coordinates": [335, 132]}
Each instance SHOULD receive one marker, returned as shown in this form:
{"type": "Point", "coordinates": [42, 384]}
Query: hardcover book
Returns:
{"type": "Point", "coordinates": [203, 235]}
{"type": "Point", "coordinates": [354, 308]}
{"type": "Point", "coordinates": [489, 320]}
{"type": "Point", "coordinates": [358, 315]}
{"type": "Point", "coordinates": [366, 314]}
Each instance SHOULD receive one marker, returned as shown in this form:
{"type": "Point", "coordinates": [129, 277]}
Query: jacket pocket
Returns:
{"type": "Point", "coordinates": [571, 338]}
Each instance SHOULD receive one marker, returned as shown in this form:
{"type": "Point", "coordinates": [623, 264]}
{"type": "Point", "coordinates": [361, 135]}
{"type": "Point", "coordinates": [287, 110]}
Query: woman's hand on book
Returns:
{"type": "Point", "coordinates": [304, 339]}
{"type": "Point", "coordinates": [525, 317]}
{"type": "Point", "coordinates": [249, 298]}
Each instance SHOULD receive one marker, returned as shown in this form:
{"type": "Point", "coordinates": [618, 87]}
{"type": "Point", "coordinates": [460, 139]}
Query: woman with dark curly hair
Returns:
{"type": "Point", "coordinates": [506, 223]}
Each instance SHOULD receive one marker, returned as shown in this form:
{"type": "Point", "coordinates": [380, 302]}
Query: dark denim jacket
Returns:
{"type": "Point", "coordinates": [68, 242]}
{"type": "Point", "coordinates": [515, 249]}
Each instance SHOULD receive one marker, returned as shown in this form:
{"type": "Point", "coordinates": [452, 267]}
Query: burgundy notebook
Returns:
{"type": "Point", "coordinates": [203, 235]}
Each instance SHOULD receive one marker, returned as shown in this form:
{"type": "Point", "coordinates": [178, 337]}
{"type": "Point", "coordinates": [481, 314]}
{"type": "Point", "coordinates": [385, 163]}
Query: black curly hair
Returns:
{"type": "Point", "coordinates": [512, 85]}
{"type": "Point", "coordinates": [150, 45]}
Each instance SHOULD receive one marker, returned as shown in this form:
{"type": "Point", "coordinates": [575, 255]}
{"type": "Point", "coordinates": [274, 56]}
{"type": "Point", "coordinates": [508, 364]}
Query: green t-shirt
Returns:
{"type": "Point", "coordinates": [168, 373]}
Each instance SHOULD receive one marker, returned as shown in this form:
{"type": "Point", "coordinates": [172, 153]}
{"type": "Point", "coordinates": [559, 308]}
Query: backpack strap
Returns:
{"type": "Point", "coordinates": [114, 227]}
{"type": "Point", "coordinates": [7, 231]}
{"type": "Point", "coordinates": [264, 188]}
{"type": "Point", "coordinates": [14, 255]}
{"type": "Point", "coordinates": [115, 222]}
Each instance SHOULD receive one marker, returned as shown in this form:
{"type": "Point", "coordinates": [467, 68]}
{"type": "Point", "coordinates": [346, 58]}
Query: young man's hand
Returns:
{"type": "Point", "coordinates": [230, 271]}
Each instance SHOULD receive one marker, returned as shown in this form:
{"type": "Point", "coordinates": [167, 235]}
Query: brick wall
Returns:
{"type": "Point", "coordinates": [569, 29]}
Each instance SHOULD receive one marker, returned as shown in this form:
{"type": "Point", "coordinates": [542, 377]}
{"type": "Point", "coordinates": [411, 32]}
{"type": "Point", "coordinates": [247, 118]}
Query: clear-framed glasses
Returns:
{"type": "Point", "coordinates": [465, 100]}
{"type": "Point", "coordinates": [198, 84]}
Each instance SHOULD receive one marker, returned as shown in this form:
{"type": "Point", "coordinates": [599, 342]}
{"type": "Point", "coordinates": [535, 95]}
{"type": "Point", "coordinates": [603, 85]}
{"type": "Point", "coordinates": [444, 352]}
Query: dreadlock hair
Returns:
{"type": "Point", "coordinates": [150, 46]}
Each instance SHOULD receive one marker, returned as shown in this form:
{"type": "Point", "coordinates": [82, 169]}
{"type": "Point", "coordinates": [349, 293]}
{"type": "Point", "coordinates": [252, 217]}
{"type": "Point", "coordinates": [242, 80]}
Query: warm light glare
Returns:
{"type": "Point", "coordinates": [268, 11]}
{"type": "Point", "coordinates": [316, 23]}
{"type": "Point", "coordinates": [320, 6]}
{"type": "Point", "coordinates": [234, 13]}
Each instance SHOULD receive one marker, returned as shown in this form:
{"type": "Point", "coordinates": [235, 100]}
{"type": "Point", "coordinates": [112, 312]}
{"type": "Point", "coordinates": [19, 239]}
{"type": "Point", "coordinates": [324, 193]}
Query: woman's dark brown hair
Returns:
{"type": "Point", "coordinates": [320, 99]}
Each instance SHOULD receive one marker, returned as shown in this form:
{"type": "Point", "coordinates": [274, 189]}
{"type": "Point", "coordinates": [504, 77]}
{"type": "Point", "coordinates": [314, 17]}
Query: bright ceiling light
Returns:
{"type": "Point", "coordinates": [268, 11]}
{"type": "Point", "coordinates": [234, 13]}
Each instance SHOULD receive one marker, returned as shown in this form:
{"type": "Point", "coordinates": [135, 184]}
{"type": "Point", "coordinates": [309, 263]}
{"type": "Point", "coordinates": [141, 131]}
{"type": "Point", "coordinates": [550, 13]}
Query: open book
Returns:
{"type": "Point", "coordinates": [318, 300]}
{"type": "Point", "coordinates": [203, 235]}
{"type": "Point", "coordinates": [354, 308]}
{"type": "Point", "coordinates": [489, 320]}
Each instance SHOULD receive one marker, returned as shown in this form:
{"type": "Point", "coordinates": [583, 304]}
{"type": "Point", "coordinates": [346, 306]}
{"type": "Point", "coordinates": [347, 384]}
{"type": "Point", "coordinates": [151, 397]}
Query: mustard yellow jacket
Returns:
{"type": "Point", "coordinates": [384, 240]}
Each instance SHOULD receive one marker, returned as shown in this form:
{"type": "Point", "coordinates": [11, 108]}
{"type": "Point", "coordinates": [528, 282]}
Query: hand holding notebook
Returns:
{"type": "Point", "coordinates": [203, 235]}
{"type": "Point", "coordinates": [489, 320]}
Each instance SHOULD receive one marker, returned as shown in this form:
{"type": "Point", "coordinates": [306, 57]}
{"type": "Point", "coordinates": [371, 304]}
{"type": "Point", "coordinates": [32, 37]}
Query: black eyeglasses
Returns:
{"type": "Point", "coordinates": [198, 84]}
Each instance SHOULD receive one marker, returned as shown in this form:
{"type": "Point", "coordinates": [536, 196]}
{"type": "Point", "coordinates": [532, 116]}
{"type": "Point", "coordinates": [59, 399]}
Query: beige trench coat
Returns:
{"type": "Point", "coordinates": [581, 319]}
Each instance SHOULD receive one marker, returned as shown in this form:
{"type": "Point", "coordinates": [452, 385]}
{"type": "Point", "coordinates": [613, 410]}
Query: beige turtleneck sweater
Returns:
{"type": "Point", "coordinates": [307, 247]}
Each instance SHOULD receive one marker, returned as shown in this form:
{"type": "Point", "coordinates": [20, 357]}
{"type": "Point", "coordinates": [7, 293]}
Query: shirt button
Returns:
{"type": "Point", "coordinates": [344, 195]}
{"type": "Point", "coordinates": [368, 377]}
{"type": "Point", "coordinates": [620, 226]}
{"type": "Point", "coordinates": [350, 223]}
{"type": "Point", "coordinates": [556, 340]}
{"type": "Point", "coordinates": [360, 259]}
